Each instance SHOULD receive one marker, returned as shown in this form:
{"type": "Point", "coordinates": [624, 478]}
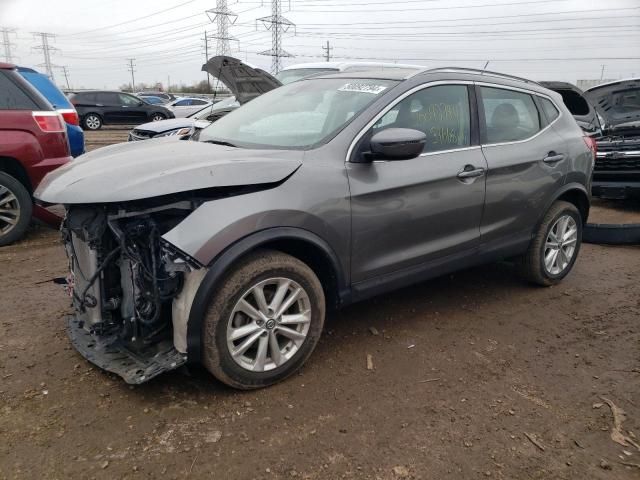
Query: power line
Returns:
{"type": "Point", "coordinates": [474, 19]}
{"type": "Point", "coordinates": [278, 26]}
{"type": "Point", "coordinates": [500, 33]}
{"type": "Point", "coordinates": [46, 51]}
{"type": "Point", "coordinates": [130, 21]}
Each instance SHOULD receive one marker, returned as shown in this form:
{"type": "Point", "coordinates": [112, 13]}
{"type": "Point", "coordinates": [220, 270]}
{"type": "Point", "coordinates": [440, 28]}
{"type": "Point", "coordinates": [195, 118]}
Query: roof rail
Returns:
{"type": "Point", "coordinates": [478, 71]}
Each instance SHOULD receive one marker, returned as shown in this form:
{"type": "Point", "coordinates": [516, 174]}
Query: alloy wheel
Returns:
{"type": "Point", "coordinates": [157, 117]}
{"type": "Point", "coordinates": [92, 122]}
{"type": "Point", "coordinates": [269, 324]}
{"type": "Point", "coordinates": [9, 210]}
{"type": "Point", "coordinates": [560, 245]}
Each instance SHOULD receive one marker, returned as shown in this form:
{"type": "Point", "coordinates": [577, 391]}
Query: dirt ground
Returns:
{"type": "Point", "coordinates": [475, 375]}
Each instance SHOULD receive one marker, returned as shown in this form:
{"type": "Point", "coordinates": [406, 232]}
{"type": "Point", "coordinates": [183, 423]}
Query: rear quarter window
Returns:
{"type": "Point", "coordinates": [549, 109]}
{"type": "Point", "coordinates": [83, 98]}
{"type": "Point", "coordinates": [12, 96]}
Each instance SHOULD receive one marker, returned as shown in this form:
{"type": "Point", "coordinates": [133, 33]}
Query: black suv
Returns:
{"type": "Point", "coordinates": [105, 108]}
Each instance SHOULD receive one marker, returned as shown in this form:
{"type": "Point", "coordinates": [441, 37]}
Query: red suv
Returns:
{"type": "Point", "coordinates": [33, 141]}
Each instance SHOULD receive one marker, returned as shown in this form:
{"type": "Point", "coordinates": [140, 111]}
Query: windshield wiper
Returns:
{"type": "Point", "coordinates": [221, 142]}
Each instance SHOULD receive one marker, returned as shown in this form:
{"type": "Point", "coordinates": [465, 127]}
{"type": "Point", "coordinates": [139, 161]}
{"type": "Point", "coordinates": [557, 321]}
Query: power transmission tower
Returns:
{"type": "Point", "coordinates": [223, 18]}
{"type": "Point", "coordinates": [278, 26]}
{"type": "Point", "coordinates": [65, 72]}
{"type": "Point", "coordinates": [6, 43]}
{"type": "Point", "coordinates": [327, 50]}
{"type": "Point", "coordinates": [132, 70]}
{"type": "Point", "coordinates": [46, 51]}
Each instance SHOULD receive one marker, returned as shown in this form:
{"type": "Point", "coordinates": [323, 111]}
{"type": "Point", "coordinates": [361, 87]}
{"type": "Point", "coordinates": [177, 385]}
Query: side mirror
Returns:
{"type": "Point", "coordinates": [140, 103]}
{"type": "Point", "coordinates": [397, 144]}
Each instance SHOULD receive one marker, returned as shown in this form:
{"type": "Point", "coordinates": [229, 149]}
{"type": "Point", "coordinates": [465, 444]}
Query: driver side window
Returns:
{"type": "Point", "coordinates": [441, 112]}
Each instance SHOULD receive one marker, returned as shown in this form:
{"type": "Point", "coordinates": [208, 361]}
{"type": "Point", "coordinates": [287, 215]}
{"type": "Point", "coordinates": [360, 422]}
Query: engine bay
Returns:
{"type": "Point", "coordinates": [123, 281]}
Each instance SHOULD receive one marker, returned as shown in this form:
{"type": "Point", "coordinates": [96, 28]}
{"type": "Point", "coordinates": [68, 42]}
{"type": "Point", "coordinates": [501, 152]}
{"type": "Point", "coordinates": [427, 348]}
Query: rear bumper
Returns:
{"type": "Point", "coordinates": [615, 190]}
{"type": "Point", "coordinates": [111, 355]}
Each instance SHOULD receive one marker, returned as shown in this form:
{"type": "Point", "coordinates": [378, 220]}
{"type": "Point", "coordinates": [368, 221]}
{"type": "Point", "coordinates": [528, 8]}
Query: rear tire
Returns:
{"type": "Point", "coordinates": [92, 121]}
{"type": "Point", "coordinates": [555, 246]}
{"type": "Point", "coordinates": [272, 341]}
{"type": "Point", "coordinates": [16, 208]}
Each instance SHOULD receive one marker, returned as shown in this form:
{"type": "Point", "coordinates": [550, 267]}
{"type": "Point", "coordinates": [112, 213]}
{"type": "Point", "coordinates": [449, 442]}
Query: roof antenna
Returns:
{"type": "Point", "coordinates": [485, 67]}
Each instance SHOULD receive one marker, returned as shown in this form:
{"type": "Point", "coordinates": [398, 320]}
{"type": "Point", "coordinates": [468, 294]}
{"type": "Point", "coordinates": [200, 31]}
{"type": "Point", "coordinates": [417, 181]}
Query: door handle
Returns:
{"type": "Point", "coordinates": [471, 172]}
{"type": "Point", "coordinates": [553, 157]}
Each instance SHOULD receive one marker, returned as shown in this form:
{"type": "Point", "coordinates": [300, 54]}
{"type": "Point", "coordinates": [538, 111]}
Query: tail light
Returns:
{"type": "Point", "coordinates": [70, 116]}
{"type": "Point", "coordinates": [49, 122]}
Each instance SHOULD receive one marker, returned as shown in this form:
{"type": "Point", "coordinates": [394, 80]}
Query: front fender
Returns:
{"type": "Point", "coordinates": [215, 273]}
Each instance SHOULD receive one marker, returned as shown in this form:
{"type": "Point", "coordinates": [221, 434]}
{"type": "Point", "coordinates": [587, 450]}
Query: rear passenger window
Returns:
{"type": "Point", "coordinates": [108, 98]}
{"type": "Point", "coordinates": [509, 115]}
{"type": "Point", "coordinates": [441, 112]}
{"type": "Point", "coordinates": [12, 97]}
{"type": "Point", "coordinates": [549, 109]}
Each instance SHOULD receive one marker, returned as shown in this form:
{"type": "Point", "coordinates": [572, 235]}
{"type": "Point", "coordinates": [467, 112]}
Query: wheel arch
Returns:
{"type": "Point", "coordinates": [573, 193]}
{"type": "Point", "coordinates": [13, 167]}
{"type": "Point", "coordinates": [299, 243]}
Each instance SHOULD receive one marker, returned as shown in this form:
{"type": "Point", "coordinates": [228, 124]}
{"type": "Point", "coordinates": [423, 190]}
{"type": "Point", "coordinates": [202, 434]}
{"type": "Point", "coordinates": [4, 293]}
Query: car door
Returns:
{"type": "Point", "coordinates": [527, 162]}
{"type": "Point", "coordinates": [108, 105]}
{"type": "Point", "coordinates": [133, 110]}
{"type": "Point", "coordinates": [411, 212]}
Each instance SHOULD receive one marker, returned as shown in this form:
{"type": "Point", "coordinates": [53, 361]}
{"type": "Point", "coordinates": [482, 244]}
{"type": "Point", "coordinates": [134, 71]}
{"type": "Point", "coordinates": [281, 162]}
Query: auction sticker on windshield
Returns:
{"type": "Point", "coordinates": [362, 88]}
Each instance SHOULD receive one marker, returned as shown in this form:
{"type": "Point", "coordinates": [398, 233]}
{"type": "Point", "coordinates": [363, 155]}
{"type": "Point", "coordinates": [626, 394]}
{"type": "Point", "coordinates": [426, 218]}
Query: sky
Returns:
{"type": "Point", "coordinates": [538, 39]}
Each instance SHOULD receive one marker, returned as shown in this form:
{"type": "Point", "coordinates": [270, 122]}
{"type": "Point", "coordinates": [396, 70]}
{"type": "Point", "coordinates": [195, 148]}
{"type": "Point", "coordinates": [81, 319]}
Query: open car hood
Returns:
{"type": "Point", "coordinates": [244, 81]}
{"type": "Point", "coordinates": [157, 167]}
{"type": "Point", "coordinates": [617, 103]}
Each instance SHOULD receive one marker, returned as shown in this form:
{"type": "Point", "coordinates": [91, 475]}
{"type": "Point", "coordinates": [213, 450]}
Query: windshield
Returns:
{"type": "Point", "coordinates": [288, 76]}
{"type": "Point", "coordinates": [296, 116]}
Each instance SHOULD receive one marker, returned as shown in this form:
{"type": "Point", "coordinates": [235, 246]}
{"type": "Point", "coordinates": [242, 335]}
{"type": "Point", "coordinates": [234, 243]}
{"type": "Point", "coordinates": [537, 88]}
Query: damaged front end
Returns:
{"type": "Point", "coordinates": [128, 288]}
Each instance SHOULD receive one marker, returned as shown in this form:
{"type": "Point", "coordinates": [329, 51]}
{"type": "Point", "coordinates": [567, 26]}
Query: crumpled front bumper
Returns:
{"type": "Point", "coordinates": [111, 355]}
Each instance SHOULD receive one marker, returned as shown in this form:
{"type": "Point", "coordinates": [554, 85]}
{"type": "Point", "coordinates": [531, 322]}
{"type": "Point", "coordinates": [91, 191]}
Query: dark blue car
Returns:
{"type": "Point", "coordinates": [61, 103]}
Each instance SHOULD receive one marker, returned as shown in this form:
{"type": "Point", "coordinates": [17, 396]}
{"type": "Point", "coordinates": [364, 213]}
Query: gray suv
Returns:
{"type": "Point", "coordinates": [228, 248]}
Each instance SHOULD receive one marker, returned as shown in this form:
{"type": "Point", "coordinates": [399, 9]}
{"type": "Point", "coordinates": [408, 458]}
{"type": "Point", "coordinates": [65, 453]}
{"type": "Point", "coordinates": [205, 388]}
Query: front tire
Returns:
{"type": "Point", "coordinates": [555, 246]}
{"type": "Point", "coordinates": [156, 117]}
{"type": "Point", "coordinates": [264, 321]}
{"type": "Point", "coordinates": [16, 208]}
